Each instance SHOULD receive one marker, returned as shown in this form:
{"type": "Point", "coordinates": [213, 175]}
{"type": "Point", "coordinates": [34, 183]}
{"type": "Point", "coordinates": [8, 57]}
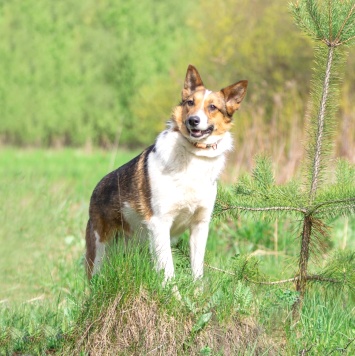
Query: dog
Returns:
{"type": "Point", "coordinates": [172, 185]}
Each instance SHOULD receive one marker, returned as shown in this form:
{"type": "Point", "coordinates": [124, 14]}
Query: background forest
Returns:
{"type": "Point", "coordinates": [98, 73]}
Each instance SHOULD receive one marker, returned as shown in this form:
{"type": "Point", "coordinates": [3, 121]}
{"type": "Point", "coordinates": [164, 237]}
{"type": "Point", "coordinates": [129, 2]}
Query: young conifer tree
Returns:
{"type": "Point", "coordinates": [314, 199]}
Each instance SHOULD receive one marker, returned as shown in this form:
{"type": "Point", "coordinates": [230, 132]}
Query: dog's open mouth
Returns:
{"type": "Point", "coordinates": [200, 133]}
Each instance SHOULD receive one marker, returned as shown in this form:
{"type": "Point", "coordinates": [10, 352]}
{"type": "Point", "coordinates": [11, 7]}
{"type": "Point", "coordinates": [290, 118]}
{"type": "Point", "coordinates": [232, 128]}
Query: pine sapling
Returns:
{"type": "Point", "coordinates": [331, 24]}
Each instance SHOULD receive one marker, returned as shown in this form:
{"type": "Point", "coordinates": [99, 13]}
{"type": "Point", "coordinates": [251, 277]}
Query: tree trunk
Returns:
{"type": "Point", "coordinates": [301, 282]}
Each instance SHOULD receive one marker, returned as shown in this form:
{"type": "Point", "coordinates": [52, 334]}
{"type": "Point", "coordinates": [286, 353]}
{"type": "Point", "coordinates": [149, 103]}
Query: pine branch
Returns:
{"type": "Point", "coordinates": [345, 207]}
{"type": "Point", "coordinates": [347, 40]}
{"type": "Point", "coordinates": [337, 40]}
{"type": "Point", "coordinates": [315, 277]}
{"type": "Point", "coordinates": [316, 21]}
{"type": "Point", "coordinates": [330, 19]}
{"type": "Point", "coordinates": [262, 209]}
{"type": "Point", "coordinates": [306, 211]}
{"type": "Point", "coordinates": [331, 202]}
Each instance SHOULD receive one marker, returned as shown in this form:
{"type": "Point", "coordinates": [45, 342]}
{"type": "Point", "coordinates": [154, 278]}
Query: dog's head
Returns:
{"type": "Point", "coordinates": [202, 113]}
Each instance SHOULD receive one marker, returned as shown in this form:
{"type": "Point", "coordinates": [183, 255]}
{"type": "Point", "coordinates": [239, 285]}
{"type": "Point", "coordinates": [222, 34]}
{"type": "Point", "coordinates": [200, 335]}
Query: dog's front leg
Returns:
{"type": "Point", "coordinates": [198, 240]}
{"type": "Point", "coordinates": [159, 231]}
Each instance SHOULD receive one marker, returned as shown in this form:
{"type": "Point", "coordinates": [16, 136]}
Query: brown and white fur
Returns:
{"type": "Point", "coordinates": [171, 186]}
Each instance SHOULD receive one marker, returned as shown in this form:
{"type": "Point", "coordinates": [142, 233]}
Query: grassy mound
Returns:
{"type": "Point", "coordinates": [129, 312]}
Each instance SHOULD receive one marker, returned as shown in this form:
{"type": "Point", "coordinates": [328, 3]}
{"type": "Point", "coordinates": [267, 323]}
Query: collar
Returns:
{"type": "Point", "coordinates": [204, 145]}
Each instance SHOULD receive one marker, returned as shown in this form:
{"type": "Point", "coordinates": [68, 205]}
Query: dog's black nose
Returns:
{"type": "Point", "coordinates": [193, 121]}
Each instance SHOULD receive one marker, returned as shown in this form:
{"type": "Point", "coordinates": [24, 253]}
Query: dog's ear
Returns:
{"type": "Point", "coordinates": [233, 95]}
{"type": "Point", "coordinates": [192, 83]}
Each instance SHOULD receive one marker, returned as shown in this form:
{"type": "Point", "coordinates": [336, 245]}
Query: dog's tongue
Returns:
{"type": "Point", "coordinates": [196, 133]}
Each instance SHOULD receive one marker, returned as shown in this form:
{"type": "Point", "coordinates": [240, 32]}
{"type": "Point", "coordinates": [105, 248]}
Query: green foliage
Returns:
{"type": "Point", "coordinates": [104, 73]}
{"type": "Point", "coordinates": [201, 322]}
{"type": "Point", "coordinates": [97, 72]}
{"type": "Point", "coordinates": [321, 326]}
{"type": "Point", "coordinates": [326, 21]}
{"type": "Point", "coordinates": [259, 194]}
{"type": "Point", "coordinates": [243, 298]}
{"type": "Point", "coordinates": [245, 267]}
{"type": "Point", "coordinates": [341, 267]}
{"type": "Point", "coordinates": [338, 198]}
{"type": "Point", "coordinates": [332, 24]}
{"type": "Point", "coordinates": [72, 73]}
{"type": "Point", "coordinates": [32, 328]}
{"type": "Point", "coordinates": [206, 351]}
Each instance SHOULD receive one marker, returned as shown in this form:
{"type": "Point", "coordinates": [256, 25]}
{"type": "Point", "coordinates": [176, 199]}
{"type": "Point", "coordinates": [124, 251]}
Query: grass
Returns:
{"type": "Point", "coordinates": [45, 195]}
{"type": "Point", "coordinates": [46, 305]}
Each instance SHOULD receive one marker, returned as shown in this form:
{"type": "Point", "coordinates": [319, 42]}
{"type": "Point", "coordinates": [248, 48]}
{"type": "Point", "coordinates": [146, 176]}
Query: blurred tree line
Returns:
{"type": "Point", "coordinates": [101, 72]}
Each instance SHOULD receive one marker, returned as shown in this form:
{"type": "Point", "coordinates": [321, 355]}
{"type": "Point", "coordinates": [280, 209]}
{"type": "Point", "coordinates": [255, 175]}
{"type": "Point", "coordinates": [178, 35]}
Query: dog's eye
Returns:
{"type": "Point", "coordinates": [213, 107]}
{"type": "Point", "coordinates": [190, 103]}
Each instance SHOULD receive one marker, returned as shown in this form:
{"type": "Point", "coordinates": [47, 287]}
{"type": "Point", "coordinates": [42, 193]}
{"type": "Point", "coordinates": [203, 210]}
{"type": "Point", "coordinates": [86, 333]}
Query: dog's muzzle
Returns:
{"type": "Point", "coordinates": [192, 124]}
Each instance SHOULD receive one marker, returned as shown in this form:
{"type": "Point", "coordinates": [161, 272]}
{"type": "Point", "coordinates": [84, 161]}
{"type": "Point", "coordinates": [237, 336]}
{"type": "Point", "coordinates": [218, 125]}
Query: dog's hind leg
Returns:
{"type": "Point", "coordinates": [99, 254]}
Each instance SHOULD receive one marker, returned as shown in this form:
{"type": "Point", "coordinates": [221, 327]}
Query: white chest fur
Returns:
{"type": "Point", "coordinates": [183, 178]}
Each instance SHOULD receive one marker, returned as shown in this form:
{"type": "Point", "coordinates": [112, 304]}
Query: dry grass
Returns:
{"type": "Point", "coordinates": [142, 327]}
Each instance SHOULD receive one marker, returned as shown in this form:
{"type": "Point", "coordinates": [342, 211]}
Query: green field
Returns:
{"type": "Point", "coordinates": [45, 197]}
{"type": "Point", "coordinates": [46, 304]}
